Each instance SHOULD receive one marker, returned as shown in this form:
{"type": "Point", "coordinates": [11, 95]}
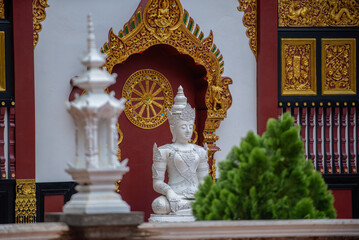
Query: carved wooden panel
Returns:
{"type": "Point", "coordinates": [338, 66]}
{"type": "Point", "coordinates": [318, 13]}
{"type": "Point", "coordinates": [298, 66]}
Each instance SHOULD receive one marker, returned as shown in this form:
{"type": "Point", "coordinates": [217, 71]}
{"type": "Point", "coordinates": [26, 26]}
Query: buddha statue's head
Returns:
{"type": "Point", "coordinates": [181, 118]}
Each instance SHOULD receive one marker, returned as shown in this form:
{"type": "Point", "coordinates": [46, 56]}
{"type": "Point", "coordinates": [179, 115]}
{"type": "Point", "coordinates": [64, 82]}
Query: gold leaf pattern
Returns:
{"type": "Point", "coordinates": [2, 9]}
{"type": "Point", "coordinates": [338, 66]}
{"type": "Point", "coordinates": [39, 15]}
{"type": "Point", "coordinates": [318, 13]}
{"type": "Point", "coordinates": [249, 7]}
{"type": "Point", "coordinates": [25, 202]}
{"type": "Point", "coordinates": [298, 67]}
{"type": "Point", "coordinates": [148, 95]}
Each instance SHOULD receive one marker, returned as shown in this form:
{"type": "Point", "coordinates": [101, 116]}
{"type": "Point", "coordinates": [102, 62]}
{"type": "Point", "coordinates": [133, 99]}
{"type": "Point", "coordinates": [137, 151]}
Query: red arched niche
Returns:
{"type": "Point", "coordinates": [180, 69]}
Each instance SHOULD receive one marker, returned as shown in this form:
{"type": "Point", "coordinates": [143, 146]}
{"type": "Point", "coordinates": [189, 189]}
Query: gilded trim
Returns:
{"type": "Point", "coordinates": [25, 202]}
{"type": "Point", "coordinates": [318, 13]}
{"type": "Point", "coordinates": [165, 22]}
{"type": "Point", "coordinates": [39, 15]}
{"type": "Point", "coordinates": [298, 66]}
{"type": "Point", "coordinates": [120, 138]}
{"type": "Point", "coordinates": [338, 66]}
{"type": "Point", "coordinates": [2, 62]}
{"type": "Point", "coordinates": [2, 9]}
{"type": "Point", "coordinates": [249, 7]}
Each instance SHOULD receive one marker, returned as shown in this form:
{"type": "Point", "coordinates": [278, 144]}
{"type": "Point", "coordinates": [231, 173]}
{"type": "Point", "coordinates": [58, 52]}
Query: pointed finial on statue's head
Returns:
{"type": "Point", "coordinates": [180, 110]}
{"type": "Point", "coordinates": [180, 102]}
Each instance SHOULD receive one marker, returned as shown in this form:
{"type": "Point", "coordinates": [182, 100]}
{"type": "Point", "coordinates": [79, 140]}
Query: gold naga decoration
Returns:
{"type": "Point", "coordinates": [249, 7]}
{"type": "Point", "coordinates": [150, 91]}
{"type": "Point", "coordinates": [39, 15]}
{"type": "Point", "coordinates": [318, 13]}
{"type": "Point", "coordinates": [165, 22]}
{"type": "Point", "coordinates": [298, 66]}
{"type": "Point", "coordinates": [339, 66]}
{"type": "Point", "coordinates": [25, 202]}
{"type": "Point", "coordinates": [2, 9]}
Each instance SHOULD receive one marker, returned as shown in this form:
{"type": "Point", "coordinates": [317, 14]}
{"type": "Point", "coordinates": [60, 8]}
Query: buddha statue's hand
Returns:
{"type": "Point", "coordinates": [172, 196]}
{"type": "Point", "coordinates": [174, 200]}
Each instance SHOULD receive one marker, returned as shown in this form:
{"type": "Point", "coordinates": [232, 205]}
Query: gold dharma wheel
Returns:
{"type": "Point", "coordinates": [148, 94]}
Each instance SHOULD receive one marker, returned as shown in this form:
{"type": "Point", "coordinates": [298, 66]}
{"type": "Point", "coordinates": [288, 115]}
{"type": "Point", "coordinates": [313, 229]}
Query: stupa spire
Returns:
{"type": "Point", "coordinates": [94, 79]}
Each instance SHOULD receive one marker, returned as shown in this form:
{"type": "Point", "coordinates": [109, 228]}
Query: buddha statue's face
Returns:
{"type": "Point", "coordinates": [182, 131]}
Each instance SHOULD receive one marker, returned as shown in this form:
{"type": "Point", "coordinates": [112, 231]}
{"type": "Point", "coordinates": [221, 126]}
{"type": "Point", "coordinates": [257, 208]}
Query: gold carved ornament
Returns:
{"type": "Point", "coordinates": [148, 95]}
{"type": "Point", "coordinates": [298, 66]}
{"type": "Point", "coordinates": [339, 66]}
{"type": "Point", "coordinates": [165, 22]}
{"type": "Point", "coordinates": [25, 202]}
{"type": "Point", "coordinates": [318, 13]}
{"type": "Point", "coordinates": [2, 62]}
{"type": "Point", "coordinates": [120, 138]}
{"type": "Point", "coordinates": [249, 7]}
{"type": "Point", "coordinates": [39, 15]}
{"type": "Point", "coordinates": [2, 9]}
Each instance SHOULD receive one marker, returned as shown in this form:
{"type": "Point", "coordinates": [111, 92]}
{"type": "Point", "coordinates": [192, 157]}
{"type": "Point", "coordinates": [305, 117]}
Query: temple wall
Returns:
{"type": "Point", "coordinates": [63, 40]}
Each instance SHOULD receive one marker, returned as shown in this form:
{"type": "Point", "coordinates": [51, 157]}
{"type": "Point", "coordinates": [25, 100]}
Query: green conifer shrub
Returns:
{"type": "Point", "coordinates": [266, 177]}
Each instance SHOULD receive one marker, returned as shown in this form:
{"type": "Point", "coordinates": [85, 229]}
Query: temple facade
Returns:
{"type": "Point", "coordinates": [239, 62]}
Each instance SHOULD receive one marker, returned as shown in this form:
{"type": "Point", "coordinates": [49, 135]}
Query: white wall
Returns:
{"type": "Point", "coordinates": [63, 40]}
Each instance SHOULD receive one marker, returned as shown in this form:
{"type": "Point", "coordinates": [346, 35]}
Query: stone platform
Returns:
{"type": "Point", "coordinates": [333, 229]}
{"type": "Point", "coordinates": [100, 226]}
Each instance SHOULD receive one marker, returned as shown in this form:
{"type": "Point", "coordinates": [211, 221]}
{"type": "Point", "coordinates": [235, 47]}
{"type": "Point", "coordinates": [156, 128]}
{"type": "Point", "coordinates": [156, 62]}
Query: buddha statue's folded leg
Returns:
{"type": "Point", "coordinates": [161, 205]}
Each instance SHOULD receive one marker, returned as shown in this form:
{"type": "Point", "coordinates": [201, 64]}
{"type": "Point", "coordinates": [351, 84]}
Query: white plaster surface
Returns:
{"type": "Point", "coordinates": [63, 40]}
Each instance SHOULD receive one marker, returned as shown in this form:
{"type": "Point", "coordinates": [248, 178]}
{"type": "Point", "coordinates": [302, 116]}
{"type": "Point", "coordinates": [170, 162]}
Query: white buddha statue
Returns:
{"type": "Point", "coordinates": [185, 163]}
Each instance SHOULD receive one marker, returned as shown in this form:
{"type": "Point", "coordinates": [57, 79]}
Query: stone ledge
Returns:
{"type": "Point", "coordinates": [32, 231]}
{"type": "Point", "coordinates": [97, 219]}
{"type": "Point", "coordinates": [329, 229]}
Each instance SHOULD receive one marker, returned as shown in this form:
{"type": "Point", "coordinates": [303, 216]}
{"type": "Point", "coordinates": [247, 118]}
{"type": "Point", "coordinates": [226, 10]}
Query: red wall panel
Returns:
{"type": "Point", "coordinates": [24, 89]}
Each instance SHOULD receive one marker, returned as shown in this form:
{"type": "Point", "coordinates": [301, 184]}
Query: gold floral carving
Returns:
{"type": "Point", "coordinates": [148, 95]}
{"type": "Point", "coordinates": [249, 7]}
{"type": "Point", "coordinates": [318, 13]}
{"type": "Point", "coordinates": [339, 66]}
{"type": "Point", "coordinates": [39, 15]}
{"type": "Point", "coordinates": [2, 9]}
{"type": "Point", "coordinates": [143, 31]}
{"type": "Point", "coordinates": [25, 202]}
{"type": "Point", "coordinates": [298, 67]}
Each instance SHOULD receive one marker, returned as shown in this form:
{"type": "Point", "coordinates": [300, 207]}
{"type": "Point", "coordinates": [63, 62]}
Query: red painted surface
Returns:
{"type": "Point", "coordinates": [267, 70]}
{"type": "Point", "coordinates": [24, 89]}
{"type": "Point", "coordinates": [137, 145]}
{"type": "Point", "coordinates": [343, 203]}
{"type": "Point", "coordinates": [53, 203]}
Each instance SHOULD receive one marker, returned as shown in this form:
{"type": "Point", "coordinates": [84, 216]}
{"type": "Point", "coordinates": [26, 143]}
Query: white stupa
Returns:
{"type": "Point", "coordinates": [95, 113]}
